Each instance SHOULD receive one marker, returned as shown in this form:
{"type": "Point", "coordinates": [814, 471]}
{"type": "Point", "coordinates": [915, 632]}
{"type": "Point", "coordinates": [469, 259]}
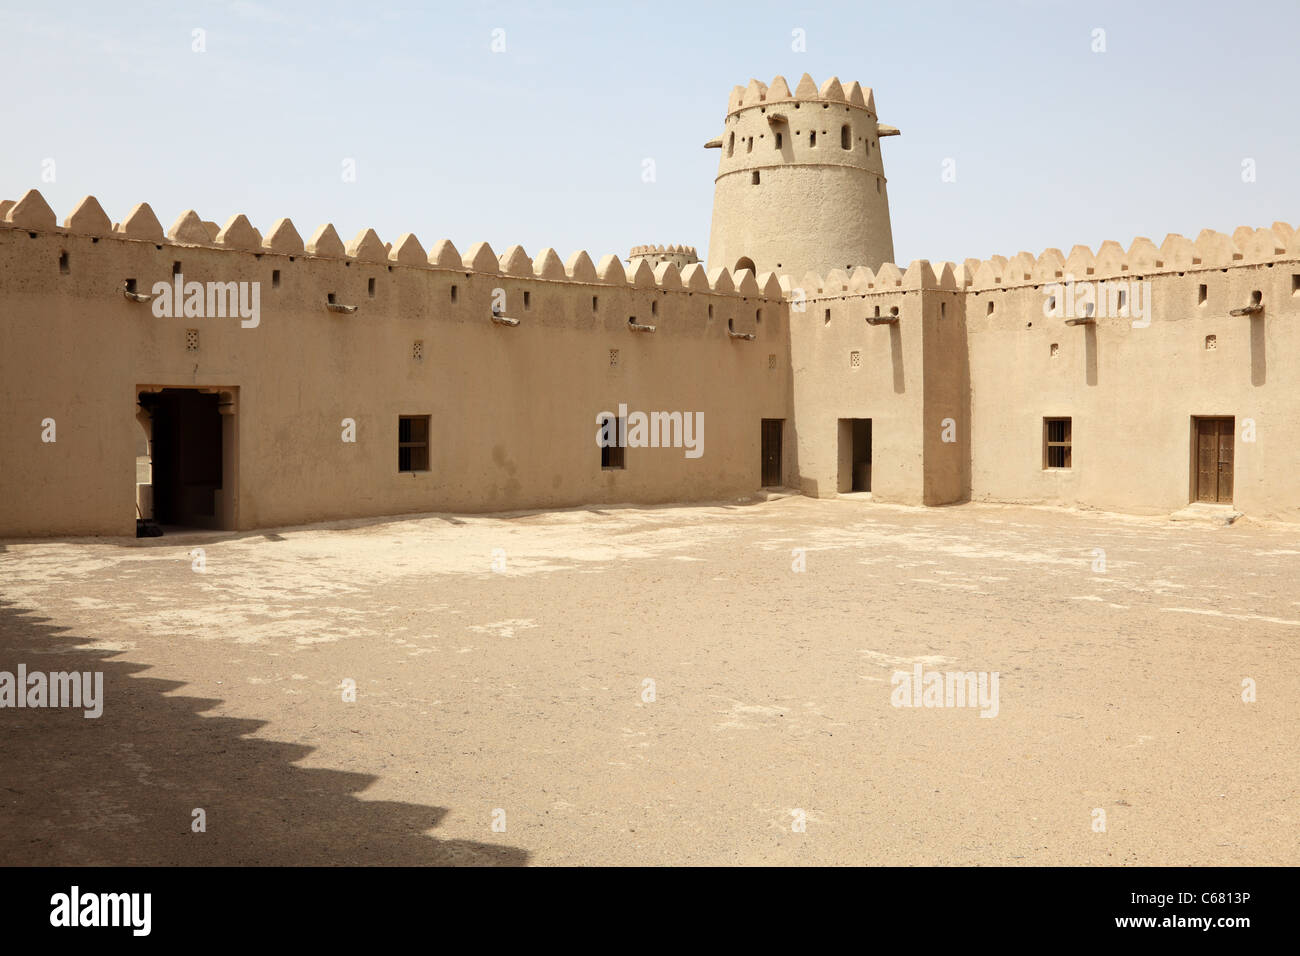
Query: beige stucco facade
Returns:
{"type": "Point", "coordinates": [928, 385]}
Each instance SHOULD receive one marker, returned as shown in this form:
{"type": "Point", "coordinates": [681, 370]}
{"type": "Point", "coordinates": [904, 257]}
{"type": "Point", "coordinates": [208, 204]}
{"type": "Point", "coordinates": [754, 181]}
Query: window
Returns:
{"type": "Point", "coordinates": [612, 455]}
{"type": "Point", "coordinates": [413, 443]}
{"type": "Point", "coordinates": [990, 312]}
{"type": "Point", "coordinates": [63, 262]}
{"type": "Point", "coordinates": [370, 287]}
{"type": "Point", "coordinates": [731, 143]}
{"type": "Point", "coordinates": [753, 180]}
{"type": "Point", "coordinates": [528, 301]}
{"type": "Point", "coordinates": [1056, 443]}
{"type": "Point", "coordinates": [846, 137]}
{"type": "Point", "coordinates": [275, 278]}
{"type": "Point", "coordinates": [453, 293]}
{"type": "Point", "coordinates": [777, 141]}
{"type": "Point", "coordinates": [812, 138]}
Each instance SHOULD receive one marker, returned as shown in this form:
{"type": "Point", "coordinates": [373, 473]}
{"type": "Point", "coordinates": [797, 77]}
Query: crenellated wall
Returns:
{"type": "Point", "coordinates": [513, 356]}
{"type": "Point", "coordinates": [1131, 383]}
{"type": "Point", "coordinates": [513, 391]}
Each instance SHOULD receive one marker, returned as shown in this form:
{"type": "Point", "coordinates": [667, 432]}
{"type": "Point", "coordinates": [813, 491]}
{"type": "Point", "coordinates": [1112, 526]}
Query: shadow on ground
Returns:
{"type": "Point", "coordinates": [120, 789]}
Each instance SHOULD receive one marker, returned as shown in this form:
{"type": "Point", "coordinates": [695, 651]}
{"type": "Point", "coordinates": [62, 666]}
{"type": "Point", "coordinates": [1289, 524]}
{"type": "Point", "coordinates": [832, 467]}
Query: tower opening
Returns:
{"type": "Point", "coordinates": [744, 262]}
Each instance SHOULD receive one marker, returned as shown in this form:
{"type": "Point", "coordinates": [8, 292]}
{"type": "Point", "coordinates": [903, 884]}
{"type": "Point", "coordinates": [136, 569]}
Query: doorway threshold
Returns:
{"type": "Point", "coordinates": [1206, 513]}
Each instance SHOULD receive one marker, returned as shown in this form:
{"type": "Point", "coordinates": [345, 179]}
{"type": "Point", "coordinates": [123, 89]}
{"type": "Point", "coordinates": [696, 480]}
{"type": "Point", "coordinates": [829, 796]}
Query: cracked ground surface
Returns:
{"type": "Point", "coordinates": [501, 664]}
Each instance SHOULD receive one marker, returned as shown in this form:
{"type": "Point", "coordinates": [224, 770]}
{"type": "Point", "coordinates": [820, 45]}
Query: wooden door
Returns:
{"type": "Point", "coordinates": [1214, 465]}
{"type": "Point", "coordinates": [772, 428]}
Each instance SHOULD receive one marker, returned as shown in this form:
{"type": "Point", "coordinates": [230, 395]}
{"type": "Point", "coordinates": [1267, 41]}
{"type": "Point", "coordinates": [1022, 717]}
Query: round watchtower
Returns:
{"type": "Point", "coordinates": [680, 256]}
{"type": "Point", "coordinates": [801, 184]}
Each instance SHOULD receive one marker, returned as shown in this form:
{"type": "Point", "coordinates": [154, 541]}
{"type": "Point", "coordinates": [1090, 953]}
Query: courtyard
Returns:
{"type": "Point", "coordinates": [648, 685]}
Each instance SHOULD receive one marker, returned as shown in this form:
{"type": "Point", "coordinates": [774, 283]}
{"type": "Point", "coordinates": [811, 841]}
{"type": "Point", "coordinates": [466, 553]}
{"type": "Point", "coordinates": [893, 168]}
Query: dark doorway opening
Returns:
{"type": "Point", "coordinates": [1213, 444]}
{"type": "Point", "coordinates": [772, 431]}
{"type": "Point", "coordinates": [185, 446]}
{"type": "Point", "coordinates": [855, 454]}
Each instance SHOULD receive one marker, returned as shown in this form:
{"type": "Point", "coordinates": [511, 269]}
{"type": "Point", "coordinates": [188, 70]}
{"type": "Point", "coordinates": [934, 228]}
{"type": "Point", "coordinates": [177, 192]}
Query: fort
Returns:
{"type": "Point", "coordinates": [822, 366]}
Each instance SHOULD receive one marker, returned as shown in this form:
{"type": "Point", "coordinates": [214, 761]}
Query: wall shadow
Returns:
{"type": "Point", "coordinates": [120, 789]}
{"type": "Point", "coordinates": [1258, 351]}
{"type": "Point", "coordinates": [1090, 352]}
{"type": "Point", "coordinates": [896, 355]}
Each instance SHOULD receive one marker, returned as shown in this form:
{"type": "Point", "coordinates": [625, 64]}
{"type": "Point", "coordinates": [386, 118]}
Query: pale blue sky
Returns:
{"type": "Point", "coordinates": [543, 144]}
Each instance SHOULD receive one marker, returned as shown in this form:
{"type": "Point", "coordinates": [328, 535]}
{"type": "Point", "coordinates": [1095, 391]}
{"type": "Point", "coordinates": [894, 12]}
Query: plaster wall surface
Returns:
{"type": "Point", "coordinates": [513, 409]}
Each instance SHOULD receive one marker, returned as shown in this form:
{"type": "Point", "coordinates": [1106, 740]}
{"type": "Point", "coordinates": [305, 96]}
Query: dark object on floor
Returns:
{"type": "Point", "coordinates": [146, 527]}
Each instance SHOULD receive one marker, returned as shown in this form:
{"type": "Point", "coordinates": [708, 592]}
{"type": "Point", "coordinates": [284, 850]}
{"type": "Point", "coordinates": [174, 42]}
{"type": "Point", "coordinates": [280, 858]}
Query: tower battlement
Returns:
{"type": "Point", "coordinates": [758, 94]}
{"type": "Point", "coordinates": [679, 256]}
{"type": "Point", "coordinates": [801, 180]}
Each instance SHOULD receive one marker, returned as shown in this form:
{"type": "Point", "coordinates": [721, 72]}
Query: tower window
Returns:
{"type": "Point", "coordinates": [749, 145]}
{"type": "Point", "coordinates": [731, 143]}
{"type": "Point", "coordinates": [753, 180]}
{"type": "Point", "coordinates": [846, 137]}
{"type": "Point", "coordinates": [778, 141]}
{"type": "Point", "coordinates": [990, 312]}
{"type": "Point", "coordinates": [812, 138]}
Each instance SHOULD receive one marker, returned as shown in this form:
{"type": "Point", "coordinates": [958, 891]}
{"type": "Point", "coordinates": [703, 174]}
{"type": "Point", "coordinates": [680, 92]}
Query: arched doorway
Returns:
{"type": "Point", "coordinates": [744, 262]}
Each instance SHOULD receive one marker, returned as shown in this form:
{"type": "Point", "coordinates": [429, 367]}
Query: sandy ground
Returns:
{"type": "Point", "coordinates": [523, 690]}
